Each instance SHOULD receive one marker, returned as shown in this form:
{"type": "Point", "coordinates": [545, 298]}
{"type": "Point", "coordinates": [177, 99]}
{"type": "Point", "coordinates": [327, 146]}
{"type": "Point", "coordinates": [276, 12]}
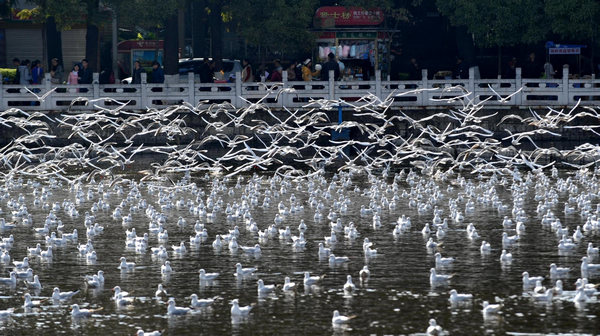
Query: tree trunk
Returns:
{"type": "Point", "coordinates": [171, 45]}
{"type": "Point", "coordinates": [465, 46]}
{"type": "Point", "coordinates": [92, 40]}
{"type": "Point", "coordinates": [53, 41]}
{"type": "Point", "coordinates": [181, 31]}
{"type": "Point", "coordinates": [593, 60]}
{"type": "Point", "coordinates": [92, 36]}
{"type": "Point", "coordinates": [199, 29]}
{"type": "Point", "coordinates": [216, 33]}
{"type": "Point", "coordinates": [499, 61]}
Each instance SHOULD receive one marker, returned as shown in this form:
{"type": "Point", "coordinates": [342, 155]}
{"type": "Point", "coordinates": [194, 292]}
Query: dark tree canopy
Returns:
{"type": "Point", "coordinates": [498, 23]}
{"type": "Point", "coordinates": [281, 25]}
{"type": "Point", "coordinates": [284, 26]}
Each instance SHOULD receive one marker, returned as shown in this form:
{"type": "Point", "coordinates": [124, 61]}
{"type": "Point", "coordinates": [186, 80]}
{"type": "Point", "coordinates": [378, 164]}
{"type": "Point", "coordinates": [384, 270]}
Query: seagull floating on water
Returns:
{"type": "Point", "coordinates": [78, 312]}
{"type": "Point", "coordinates": [338, 319]}
{"type": "Point", "coordinates": [239, 311]}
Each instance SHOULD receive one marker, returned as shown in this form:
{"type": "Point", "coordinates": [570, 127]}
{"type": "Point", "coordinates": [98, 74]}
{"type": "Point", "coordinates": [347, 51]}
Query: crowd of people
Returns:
{"type": "Point", "coordinates": [530, 68]}
{"type": "Point", "coordinates": [306, 71]}
{"type": "Point", "coordinates": [32, 73]}
{"type": "Point", "coordinates": [156, 76]}
{"type": "Point", "coordinates": [296, 71]}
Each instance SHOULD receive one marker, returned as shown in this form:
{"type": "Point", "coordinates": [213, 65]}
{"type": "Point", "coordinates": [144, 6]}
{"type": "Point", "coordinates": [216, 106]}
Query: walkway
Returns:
{"type": "Point", "coordinates": [425, 93]}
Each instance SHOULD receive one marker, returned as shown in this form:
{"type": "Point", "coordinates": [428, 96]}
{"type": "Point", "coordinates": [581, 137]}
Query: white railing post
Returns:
{"type": "Point", "coordinates": [262, 88]}
{"type": "Point", "coordinates": [565, 83]}
{"type": "Point", "coordinates": [284, 97]}
{"type": "Point", "coordinates": [517, 99]}
{"type": "Point", "coordinates": [424, 85]}
{"type": "Point", "coordinates": [2, 104]}
{"type": "Point", "coordinates": [144, 90]}
{"type": "Point", "coordinates": [378, 84]}
{"type": "Point", "coordinates": [191, 90]}
{"type": "Point", "coordinates": [331, 85]}
{"type": "Point", "coordinates": [47, 87]}
{"type": "Point", "coordinates": [96, 85]}
{"type": "Point", "coordinates": [237, 100]}
{"type": "Point", "coordinates": [471, 84]}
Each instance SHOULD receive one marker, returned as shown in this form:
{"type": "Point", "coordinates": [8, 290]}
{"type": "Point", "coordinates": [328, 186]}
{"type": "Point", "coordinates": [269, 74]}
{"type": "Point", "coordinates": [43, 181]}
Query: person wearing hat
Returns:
{"type": "Point", "coordinates": [158, 75]}
{"type": "Point", "coordinates": [307, 73]}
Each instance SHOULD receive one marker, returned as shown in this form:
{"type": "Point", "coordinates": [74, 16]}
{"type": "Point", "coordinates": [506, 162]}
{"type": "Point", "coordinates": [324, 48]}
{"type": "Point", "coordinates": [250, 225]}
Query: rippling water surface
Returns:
{"type": "Point", "coordinates": [397, 299]}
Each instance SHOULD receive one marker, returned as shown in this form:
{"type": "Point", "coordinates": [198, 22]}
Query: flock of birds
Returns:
{"type": "Point", "coordinates": [294, 143]}
{"type": "Point", "coordinates": [298, 155]}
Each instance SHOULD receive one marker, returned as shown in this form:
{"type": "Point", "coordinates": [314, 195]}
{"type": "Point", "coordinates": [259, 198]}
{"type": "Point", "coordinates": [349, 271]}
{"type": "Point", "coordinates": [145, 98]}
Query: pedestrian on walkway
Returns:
{"type": "Point", "coordinates": [85, 73]}
{"type": "Point", "coordinates": [56, 71]}
{"type": "Point", "coordinates": [158, 74]}
{"type": "Point", "coordinates": [307, 73]}
{"type": "Point", "coordinates": [247, 73]}
{"type": "Point", "coordinates": [16, 64]}
{"type": "Point", "coordinates": [331, 64]}
{"type": "Point", "coordinates": [136, 76]}
{"type": "Point", "coordinates": [24, 73]}
{"type": "Point", "coordinates": [37, 72]}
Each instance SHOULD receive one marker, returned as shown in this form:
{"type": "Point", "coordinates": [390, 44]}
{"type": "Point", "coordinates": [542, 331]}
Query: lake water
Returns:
{"type": "Point", "coordinates": [397, 299]}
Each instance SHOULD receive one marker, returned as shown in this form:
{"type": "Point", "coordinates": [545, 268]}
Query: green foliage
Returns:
{"type": "Point", "coordinates": [8, 73]}
{"type": "Point", "coordinates": [281, 25]}
{"type": "Point", "coordinates": [510, 22]}
{"type": "Point", "coordinates": [573, 18]}
{"type": "Point", "coordinates": [29, 14]}
{"type": "Point", "coordinates": [498, 23]}
{"type": "Point", "coordinates": [67, 13]}
{"type": "Point", "coordinates": [147, 14]}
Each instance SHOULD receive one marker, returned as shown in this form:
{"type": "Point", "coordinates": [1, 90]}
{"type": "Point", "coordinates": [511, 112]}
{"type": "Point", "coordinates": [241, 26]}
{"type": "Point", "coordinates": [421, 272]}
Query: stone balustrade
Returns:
{"type": "Point", "coordinates": [419, 94]}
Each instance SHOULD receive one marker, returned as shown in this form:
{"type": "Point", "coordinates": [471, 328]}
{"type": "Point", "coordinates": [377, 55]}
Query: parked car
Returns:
{"type": "Point", "coordinates": [187, 65]}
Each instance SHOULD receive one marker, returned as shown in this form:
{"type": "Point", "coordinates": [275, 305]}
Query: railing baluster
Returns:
{"type": "Point", "coordinates": [565, 89]}
{"type": "Point", "coordinates": [144, 90]}
{"type": "Point", "coordinates": [536, 92]}
{"type": "Point", "coordinates": [3, 105]}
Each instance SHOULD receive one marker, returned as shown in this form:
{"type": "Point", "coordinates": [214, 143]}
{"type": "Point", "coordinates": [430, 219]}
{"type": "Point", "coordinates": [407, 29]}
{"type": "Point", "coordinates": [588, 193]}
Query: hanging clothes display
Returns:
{"type": "Point", "coordinates": [345, 51]}
{"type": "Point", "coordinates": [353, 51]}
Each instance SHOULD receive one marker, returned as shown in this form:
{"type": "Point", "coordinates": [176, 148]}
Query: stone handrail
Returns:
{"type": "Point", "coordinates": [424, 93]}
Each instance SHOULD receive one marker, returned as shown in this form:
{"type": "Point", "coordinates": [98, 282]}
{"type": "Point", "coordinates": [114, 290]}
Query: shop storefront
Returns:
{"type": "Point", "coordinates": [355, 36]}
{"type": "Point", "coordinates": [145, 51]}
